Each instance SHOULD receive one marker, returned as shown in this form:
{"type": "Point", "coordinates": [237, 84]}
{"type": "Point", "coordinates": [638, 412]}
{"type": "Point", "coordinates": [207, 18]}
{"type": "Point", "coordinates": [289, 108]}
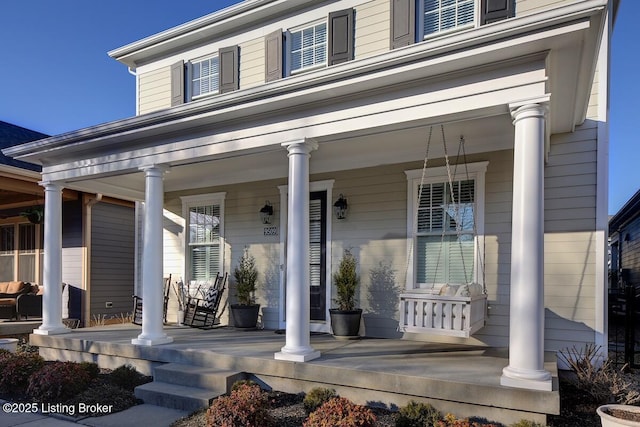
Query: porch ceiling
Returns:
{"type": "Point", "coordinates": [334, 154]}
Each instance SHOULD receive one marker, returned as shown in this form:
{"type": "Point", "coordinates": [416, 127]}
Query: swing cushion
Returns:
{"type": "Point", "coordinates": [449, 290]}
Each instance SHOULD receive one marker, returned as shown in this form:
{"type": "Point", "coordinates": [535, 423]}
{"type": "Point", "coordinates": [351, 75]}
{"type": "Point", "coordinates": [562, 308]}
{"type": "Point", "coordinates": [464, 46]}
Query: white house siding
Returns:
{"type": "Point", "coordinates": [372, 28]}
{"type": "Point", "coordinates": [525, 7]}
{"type": "Point", "coordinates": [252, 63]}
{"type": "Point", "coordinates": [154, 90]}
{"type": "Point", "coordinates": [570, 241]}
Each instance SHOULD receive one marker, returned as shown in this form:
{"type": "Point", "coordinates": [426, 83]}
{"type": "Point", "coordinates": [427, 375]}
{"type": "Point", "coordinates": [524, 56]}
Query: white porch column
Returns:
{"type": "Point", "coordinates": [526, 318]}
{"type": "Point", "coordinates": [152, 285]}
{"type": "Point", "coordinates": [297, 345]}
{"type": "Point", "coordinates": [52, 274]}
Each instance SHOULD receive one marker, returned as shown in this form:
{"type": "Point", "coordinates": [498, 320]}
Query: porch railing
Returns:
{"type": "Point", "coordinates": [442, 315]}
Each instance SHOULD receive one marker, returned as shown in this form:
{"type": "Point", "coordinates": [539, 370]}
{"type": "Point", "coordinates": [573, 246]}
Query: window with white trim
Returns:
{"type": "Point", "coordinates": [21, 252]}
{"type": "Point", "coordinates": [445, 220]}
{"type": "Point", "coordinates": [204, 235]}
{"type": "Point", "coordinates": [308, 47]}
{"type": "Point", "coordinates": [437, 16]}
{"type": "Point", "coordinates": [205, 77]}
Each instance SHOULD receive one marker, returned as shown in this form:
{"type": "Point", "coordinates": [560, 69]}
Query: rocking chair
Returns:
{"type": "Point", "coordinates": [137, 304]}
{"type": "Point", "coordinates": [203, 312]}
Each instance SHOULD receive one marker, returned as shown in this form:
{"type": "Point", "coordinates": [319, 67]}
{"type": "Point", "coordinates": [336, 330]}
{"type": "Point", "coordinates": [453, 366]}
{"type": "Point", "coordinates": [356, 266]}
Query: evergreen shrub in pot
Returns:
{"type": "Point", "coordinates": [345, 319]}
{"type": "Point", "coordinates": [245, 312]}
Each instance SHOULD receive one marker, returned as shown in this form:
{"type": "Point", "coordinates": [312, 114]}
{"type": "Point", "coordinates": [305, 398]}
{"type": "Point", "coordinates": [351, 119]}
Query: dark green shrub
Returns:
{"type": "Point", "coordinates": [127, 377]}
{"type": "Point", "coordinates": [58, 381]}
{"type": "Point", "coordinates": [317, 397]}
{"type": "Point", "coordinates": [105, 394]}
{"type": "Point", "coordinates": [416, 414]}
{"type": "Point", "coordinates": [92, 369]}
{"type": "Point", "coordinates": [247, 406]}
{"type": "Point", "coordinates": [15, 370]}
{"type": "Point", "coordinates": [341, 412]}
{"type": "Point", "coordinates": [240, 383]}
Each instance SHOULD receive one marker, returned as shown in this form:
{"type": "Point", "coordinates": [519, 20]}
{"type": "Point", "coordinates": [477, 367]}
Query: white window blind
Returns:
{"type": "Point", "coordinates": [204, 241]}
{"type": "Point", "coordinates": [443, 15]}
{"type": "Point", "coordinates": [308, 46]}
{"type": "Point", "coordinates": [315, 241]}
{"type": "Point", "coordinates": [205, 77]}
{"type": "Point", "coordinates": [7, 243]}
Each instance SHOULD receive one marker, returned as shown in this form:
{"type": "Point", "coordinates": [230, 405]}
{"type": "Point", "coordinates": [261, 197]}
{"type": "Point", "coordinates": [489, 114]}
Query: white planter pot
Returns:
{"type": "Point", "coordinates": [608, 420]}
{"type": "Point", "coordinates": [10, 344]}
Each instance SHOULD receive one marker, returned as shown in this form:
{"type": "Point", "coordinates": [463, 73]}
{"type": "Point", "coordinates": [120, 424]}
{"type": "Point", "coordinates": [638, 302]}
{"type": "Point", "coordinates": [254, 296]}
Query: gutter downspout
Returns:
{"type": "Point", "coordinates": [134, 73]}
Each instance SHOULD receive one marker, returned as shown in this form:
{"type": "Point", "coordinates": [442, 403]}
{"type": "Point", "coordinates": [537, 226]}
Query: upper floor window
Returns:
{"type": "Point", "coordinates": [308, 46]}
{"type": "Point", "coordinates": [415, 20]}
{"type": "Point", "coordinates": [204, 77]}
{"type": "Point", "coordinates": [443, 15]}
{"type": "Point", "coordinates": [314, 45]}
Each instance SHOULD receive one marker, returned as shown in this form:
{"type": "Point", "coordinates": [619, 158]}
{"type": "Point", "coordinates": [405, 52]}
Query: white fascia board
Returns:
{"type": "Point", "coordinates": [389, 68]}
{"type": "Point", "coordinates": [231, 18]}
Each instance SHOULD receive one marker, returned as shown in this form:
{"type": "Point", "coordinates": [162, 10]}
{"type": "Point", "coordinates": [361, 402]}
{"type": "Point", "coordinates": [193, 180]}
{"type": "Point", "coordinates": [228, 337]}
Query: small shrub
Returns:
{"type": "Point", "coordinates": [92, 369]}
{"type": "Point", "coordinates": [316, 397]}
{"type": "Point", "coordinates": [240, 383]}
{"type": "Point", "coordinates": [5, 354]}
{"type": "Point", "coordinates": [450, 420]}
{"type": "Point", "coordinates": [15, 370]}
{"type": "Point", "coordinates": [341, 412]}
{"type": "Point", "coordinates": [527, 423]}
{"type": "Point", "coordinates": [127, 377]}
{"type": "Point", "coordinates": [416, 414]}
{"type": "Point", "coordinates": [247, 406]}
{"type": "Point", "coordinates": [58, 381]}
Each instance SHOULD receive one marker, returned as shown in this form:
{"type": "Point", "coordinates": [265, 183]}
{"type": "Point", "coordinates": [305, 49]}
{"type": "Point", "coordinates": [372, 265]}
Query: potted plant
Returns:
{"type": "Point", "coordinates": [345, 319]}
{"type": "Point", "coordinates": [245, 313]}
{"type": "Point", "coordinates": [619, 415]}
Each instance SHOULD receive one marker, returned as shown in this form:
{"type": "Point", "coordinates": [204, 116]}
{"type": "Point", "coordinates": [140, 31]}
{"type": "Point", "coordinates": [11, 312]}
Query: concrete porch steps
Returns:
{"type": "Point", "coordinates": [186, 387]}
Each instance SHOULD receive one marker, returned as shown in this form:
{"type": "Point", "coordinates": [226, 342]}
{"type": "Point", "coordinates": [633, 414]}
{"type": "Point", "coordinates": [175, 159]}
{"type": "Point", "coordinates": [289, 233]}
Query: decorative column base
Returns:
{"type": "Point", "coordinates": [298, 355]}
{"type": "Point", "coordinates": [150, 341]}
{"type": "Point", "coordinates": [57, 330]}
{"type": "Point", "coordinates": [524, 378]}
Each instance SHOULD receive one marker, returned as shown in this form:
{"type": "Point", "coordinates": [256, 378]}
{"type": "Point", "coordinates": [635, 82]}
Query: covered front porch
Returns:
{"type": "Point", "coordinates": [463, 380]}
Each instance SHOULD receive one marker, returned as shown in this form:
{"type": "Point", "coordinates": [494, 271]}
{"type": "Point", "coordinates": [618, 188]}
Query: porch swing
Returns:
{"type": "Point", "coordinates": [450, 309]}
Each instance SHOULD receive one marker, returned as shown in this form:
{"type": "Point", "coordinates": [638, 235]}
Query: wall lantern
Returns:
{"type": "Point", "coordinates": [266, 213]}
{"type": "Point", "coordinates": [340, 207]}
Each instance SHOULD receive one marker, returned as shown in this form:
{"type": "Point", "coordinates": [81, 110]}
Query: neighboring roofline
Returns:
{"type": "Point", "coordinates": [627, 213]}
{"type": "Point", "coordinates": [16, 172]}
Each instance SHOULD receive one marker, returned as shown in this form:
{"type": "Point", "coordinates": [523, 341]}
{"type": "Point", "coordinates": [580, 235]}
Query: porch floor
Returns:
{"type": "Point", "coordinates": [463, 380]}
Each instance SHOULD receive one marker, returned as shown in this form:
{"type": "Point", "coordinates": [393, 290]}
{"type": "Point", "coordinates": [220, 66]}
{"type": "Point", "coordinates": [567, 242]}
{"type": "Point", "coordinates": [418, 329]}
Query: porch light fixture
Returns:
{"type": "Point", "coordinates": [340, 207]}
{"type": "Point", "coordinates": [266, 213]}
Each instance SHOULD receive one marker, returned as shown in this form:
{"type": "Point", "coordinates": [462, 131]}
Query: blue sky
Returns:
{"type": "Point", "coordinates": [56, 76]}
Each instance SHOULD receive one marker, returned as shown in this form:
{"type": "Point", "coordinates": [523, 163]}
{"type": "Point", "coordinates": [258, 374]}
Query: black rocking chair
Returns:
{"type": "Point", "coordinates": [137, 304]}
{"type": "Point", "coordinates": [203, 312]}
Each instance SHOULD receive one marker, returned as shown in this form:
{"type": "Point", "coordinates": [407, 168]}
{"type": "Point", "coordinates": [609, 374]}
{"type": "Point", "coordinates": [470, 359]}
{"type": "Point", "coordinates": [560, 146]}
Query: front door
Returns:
{"type": "Point", "coordinates": [318, 254]}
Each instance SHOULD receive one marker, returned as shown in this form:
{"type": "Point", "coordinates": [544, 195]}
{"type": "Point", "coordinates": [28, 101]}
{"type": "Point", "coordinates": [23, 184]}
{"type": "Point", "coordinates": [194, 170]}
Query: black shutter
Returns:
{"type": "Point", "coordinates": [496, 10]}
{"type": "Point", "coordinates": [403, 23]}
{"type": "Point", "coordinates": [340, 36]}
{"type": "Point", "coordinates": [273, 54]}
{"type": "Point", "coordinates": [177, 83]}
{"type": "Point", "coordinates": [229, 72]}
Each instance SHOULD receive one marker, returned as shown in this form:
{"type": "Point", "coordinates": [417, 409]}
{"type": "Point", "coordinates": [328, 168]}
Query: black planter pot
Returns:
{"type": "Point", "coordinates": [345, 323]}
{"type": "Point", "coordinates": [245, 316]}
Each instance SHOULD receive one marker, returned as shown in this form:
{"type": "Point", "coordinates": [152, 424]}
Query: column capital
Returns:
{"type": "Point", "coordinates": [155, 169]}
{"type": "Point", "coordinates": [519, 112]}
{"type": "Point", "coordinates": [52, 185]}
{"type": "Point", "coordinates": [301, 146]}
